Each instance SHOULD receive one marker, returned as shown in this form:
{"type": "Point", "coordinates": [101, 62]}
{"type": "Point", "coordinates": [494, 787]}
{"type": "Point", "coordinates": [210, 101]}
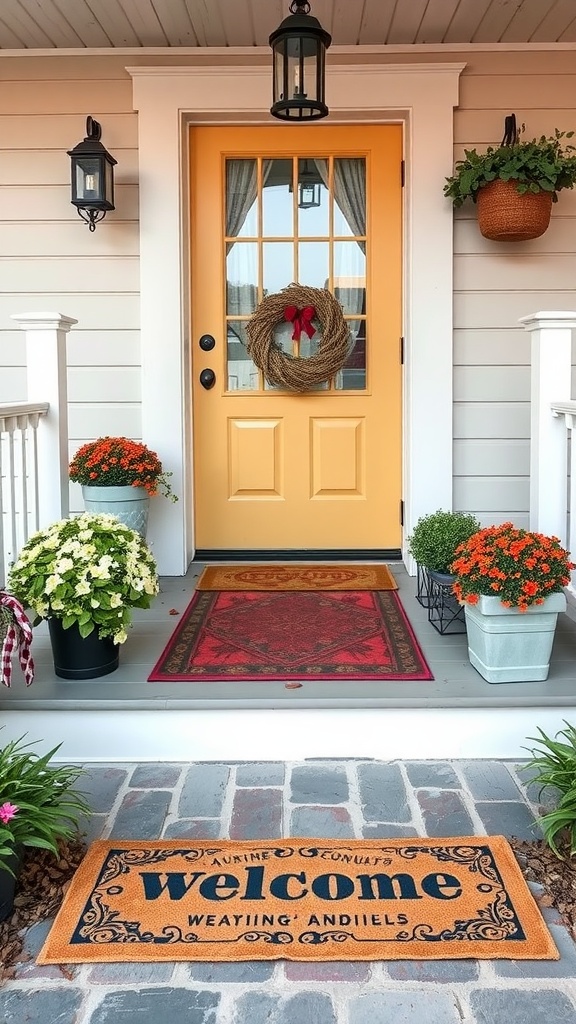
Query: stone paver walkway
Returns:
{"type": "Point", "coordinates": [330, 799]}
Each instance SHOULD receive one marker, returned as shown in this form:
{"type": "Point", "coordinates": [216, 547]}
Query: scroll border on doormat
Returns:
{"type": "Point", "coordinates": [506, 924]}
{"type": "Point", "coordinates": [297, 577]}
{"type": "Point", "coordinates": [176, 663]}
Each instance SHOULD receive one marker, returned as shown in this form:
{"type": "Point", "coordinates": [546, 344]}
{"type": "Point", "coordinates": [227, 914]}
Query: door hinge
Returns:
{"type": "Point", "coordinates": [402, 173]}
{"type": "Point", "coordinates": [401, 512]}
{"type": "Point", "coordinates": [402, 351]}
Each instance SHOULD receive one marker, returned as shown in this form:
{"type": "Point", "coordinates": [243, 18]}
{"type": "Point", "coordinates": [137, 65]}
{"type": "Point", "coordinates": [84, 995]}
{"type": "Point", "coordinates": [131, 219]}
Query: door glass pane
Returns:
{"type": "Point", "coordinates": [241, 278]}
{"type": "Point", "coordinates": [259, 268]}
{"type": "Point", "coordinates": [242, 373]}
{"type": "Point", "coordinates": [352, 377]}
{"type": "Point", "coordinates": [309, 347]}
{"type": "Point", "coordinates": [313, 269]}
{"type": "Point", "coordinates": [241, 198]}
{"type": "Point", "coordinates": [277, 198]}
{"type": "Point", "coordinates": [313, 209]}
{"type": "Point", "coordinates": [350, 196]}
{"type": "Point", "coordinates": [350, 276]}
{"type": "Point", "coordinates": [278, 266]}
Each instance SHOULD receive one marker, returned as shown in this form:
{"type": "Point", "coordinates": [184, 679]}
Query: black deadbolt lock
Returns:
{"type": "Point", "coordinates": [207, 379]}
{"type": "Point", "coordinates": [207, 342]}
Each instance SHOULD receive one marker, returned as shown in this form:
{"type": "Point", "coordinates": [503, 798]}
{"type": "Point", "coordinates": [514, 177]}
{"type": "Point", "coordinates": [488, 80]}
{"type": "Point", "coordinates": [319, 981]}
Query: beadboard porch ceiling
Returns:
{"type": "Point", "coordinates": [49, 24]}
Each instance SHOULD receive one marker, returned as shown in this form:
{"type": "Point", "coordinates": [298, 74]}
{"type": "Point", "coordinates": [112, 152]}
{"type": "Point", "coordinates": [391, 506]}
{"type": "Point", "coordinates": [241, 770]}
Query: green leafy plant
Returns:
{"type": "Point", "coordinates": [436, 536]}
{"type": "Point", "coordinates": [555, 764]}
{"type": "Point", "coordinates": [539, 165]}
{"type": "Point", "coordinates": [38, 802]}
{"type": "Point", "coordinates": [87, 571]}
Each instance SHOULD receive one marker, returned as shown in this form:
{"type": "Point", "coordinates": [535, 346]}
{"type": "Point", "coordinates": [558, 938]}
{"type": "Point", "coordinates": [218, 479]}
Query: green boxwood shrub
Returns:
{"type": "Point", "coordinates": [436, 536]}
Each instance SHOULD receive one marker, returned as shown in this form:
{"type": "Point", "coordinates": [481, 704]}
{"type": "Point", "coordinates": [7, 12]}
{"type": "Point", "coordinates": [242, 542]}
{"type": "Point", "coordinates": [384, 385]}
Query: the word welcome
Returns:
{"type": "Point", "coordinates": [295, 886]}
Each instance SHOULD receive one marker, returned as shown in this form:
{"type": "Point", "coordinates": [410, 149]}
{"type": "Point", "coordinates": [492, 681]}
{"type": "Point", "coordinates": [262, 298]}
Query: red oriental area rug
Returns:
{"type": "Point", "coordinates": [312, 635]}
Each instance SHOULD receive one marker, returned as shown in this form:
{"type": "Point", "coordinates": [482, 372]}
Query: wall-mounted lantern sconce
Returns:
{"type": "Point", "coordinates": [92, 176]}
{"type": "Point", "coordinates": [299, 47]}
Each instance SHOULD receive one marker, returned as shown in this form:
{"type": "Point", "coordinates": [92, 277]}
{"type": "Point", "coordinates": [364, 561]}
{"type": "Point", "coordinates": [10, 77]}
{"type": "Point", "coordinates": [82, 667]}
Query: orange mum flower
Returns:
{"type": "Point", "coordinates": [522, 567]}
{"type": "Point", "coordinates": [119, 461]}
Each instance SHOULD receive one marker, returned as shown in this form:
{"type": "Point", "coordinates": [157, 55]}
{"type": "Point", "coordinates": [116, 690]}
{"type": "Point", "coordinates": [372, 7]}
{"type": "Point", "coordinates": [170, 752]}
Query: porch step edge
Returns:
{"type": "Point", "coordinates": [126, 734]}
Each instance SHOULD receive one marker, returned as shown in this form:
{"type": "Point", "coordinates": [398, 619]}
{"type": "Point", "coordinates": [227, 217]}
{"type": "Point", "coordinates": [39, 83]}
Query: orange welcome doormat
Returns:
{"type": "Point", "coordinates": [298, 899]}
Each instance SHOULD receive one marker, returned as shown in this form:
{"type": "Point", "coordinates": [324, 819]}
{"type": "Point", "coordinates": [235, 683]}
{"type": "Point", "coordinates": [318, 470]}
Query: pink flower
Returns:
{"type": "Point", "coordinates": [7, 812]}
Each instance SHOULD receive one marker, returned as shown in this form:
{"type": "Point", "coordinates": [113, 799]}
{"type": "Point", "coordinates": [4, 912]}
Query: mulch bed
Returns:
{"type": "Point", "coordinates": [558, 877]}
{"type": "Point", "coordinates": [42, 884]}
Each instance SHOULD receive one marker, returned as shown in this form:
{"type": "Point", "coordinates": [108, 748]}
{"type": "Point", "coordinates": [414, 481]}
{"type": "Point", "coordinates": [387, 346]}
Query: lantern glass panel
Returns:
{"type": "Point", "coordinates": [88, 180]}
{"type": "Point", "coordinates": [295, 69]}
{"type": "Point", "coordinates": [109, 190]}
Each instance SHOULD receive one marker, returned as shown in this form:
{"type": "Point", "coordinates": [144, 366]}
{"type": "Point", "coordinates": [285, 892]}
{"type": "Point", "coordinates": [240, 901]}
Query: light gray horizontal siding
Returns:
{"type": "Point", "coordinates": [92, 420]}
{"type": "Point", "coordinates": [507, 494]}
{"type": "Point", "coordinates": [497, 420]}
{"type": "Point", "coordinates": [52, 203]}
{"type": "Point", "coordinates": [49, 260]}
{"type": "Point", "coordinates": [476, 457]}
{"type": "Point", "coordinates": [482, 347]}
{"type": "Point", "coordinates": [495, 284]}
{"type": "Point", "coordinates": [492, 310]}
{"type": "Point", "coordinates": [559, 239]}
{"type": "Point", "coordinates": [101, 311]}
{"type": "Point", "coordinates": [38, 238]}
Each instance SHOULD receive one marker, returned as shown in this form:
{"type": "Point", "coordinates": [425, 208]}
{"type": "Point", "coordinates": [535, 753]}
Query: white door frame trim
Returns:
{"type": "Point", "coordinates": [168, 99]}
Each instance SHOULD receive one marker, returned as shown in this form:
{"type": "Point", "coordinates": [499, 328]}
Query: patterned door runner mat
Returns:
{"type": "Point", "coordinates": [296, 577]}
{"type": "Point", "coordinates": [292, 637]}
{"type": "Point", "coordinates": [298, 899]}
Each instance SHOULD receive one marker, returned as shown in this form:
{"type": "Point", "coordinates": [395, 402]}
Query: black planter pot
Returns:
{"type": "Point", "coordinates": [78, 657]}
{"type": "Point", "coordinates": [8, 886]}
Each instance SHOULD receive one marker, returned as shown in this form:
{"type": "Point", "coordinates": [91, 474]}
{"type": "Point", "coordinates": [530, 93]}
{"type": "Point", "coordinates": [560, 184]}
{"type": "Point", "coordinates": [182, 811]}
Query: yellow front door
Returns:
{"type": "Point", "coordinates": [276, 470]}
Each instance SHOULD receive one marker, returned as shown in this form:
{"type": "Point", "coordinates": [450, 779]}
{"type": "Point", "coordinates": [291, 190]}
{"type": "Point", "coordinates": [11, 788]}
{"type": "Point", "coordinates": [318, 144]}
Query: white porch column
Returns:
{"type": "Point", "coordinates": [46, 377]}
{"type": "Point", "coordinates": [551, 363]}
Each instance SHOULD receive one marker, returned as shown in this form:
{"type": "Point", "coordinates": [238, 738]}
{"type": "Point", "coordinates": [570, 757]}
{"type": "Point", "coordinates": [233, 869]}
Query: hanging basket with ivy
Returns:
{"type": "Point", "coordinates": [504, 215]}
{"type": "Point", "coordinates": [302, 307]}
{"type": "Point", "coordinates": [515, 184]}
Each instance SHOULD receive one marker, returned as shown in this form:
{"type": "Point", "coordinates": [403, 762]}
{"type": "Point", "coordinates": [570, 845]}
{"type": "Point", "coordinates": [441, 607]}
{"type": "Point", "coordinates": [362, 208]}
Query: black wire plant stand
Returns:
{"type": "Point", "coordinates": [434, 592]}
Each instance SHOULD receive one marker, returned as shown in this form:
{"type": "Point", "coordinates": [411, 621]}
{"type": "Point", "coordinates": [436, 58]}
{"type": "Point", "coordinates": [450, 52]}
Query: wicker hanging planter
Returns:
{"type": "Point", "coordinates": [506, 216]}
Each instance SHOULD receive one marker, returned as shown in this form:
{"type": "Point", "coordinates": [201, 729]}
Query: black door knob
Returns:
{"type": "Point", "coordinates": [207, 379]}
{"type": "Point", "coordinates": [207, 342]}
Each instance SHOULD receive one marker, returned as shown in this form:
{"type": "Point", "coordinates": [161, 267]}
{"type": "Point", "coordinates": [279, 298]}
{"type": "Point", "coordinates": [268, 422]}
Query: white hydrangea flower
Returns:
{"type": "Point", "coordinates": [52, 582]}
{"type": "Point", "coordinates": [63, 565]}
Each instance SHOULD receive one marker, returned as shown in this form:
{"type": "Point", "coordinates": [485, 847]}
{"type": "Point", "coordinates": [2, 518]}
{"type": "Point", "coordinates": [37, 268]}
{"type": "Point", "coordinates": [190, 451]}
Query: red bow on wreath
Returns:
{"type": "Point", "coordinates": [301, 318]}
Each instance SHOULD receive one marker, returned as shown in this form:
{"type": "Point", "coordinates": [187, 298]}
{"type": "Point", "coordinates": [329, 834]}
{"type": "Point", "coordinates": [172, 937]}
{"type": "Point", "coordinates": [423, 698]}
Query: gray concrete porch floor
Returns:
{"type": "Point", "coordinates": [313, 799]}
{"type": "Point", "coordinates": [456, 684]}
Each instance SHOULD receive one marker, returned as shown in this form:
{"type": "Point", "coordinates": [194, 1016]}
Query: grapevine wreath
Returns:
{"type": "Point", "coordinates": [298, 305]}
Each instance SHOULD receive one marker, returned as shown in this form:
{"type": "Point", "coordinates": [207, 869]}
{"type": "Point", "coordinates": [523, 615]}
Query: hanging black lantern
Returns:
{"type": "Point", "coordinates": [92, 176]}
{"type": "Point", "coordinates": [309, 187]}
{"type": "Point", "coordinates": [299, 47]}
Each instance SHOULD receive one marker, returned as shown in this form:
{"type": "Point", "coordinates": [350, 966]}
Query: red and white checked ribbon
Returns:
{"type": "Point", "coordinates": [17, 631]}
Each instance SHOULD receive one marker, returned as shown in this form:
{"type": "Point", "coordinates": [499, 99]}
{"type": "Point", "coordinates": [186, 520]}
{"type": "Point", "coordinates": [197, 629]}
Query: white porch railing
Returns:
{"type": "Point", "coordinates": [553, 418]}
{"type": "Point", "coordinates": [19, 498]}
{"type": "Point", "coordinates": [34, 438]}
